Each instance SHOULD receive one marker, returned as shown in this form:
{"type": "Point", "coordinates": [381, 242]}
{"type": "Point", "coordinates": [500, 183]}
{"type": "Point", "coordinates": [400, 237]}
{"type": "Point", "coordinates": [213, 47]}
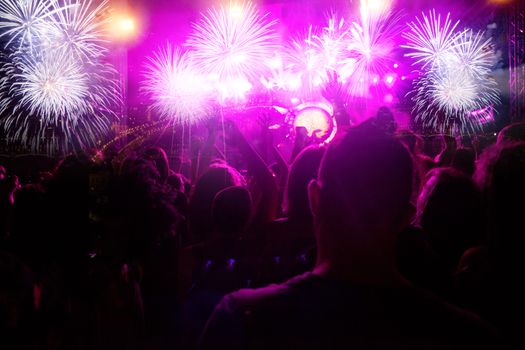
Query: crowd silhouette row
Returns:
{"type": "Point", "coordinates": [369, 242]}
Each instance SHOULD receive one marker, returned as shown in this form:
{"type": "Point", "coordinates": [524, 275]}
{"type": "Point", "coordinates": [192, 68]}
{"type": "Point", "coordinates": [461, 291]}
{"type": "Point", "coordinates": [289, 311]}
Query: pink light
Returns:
{"type": "Point", "coordinates": [396, 65]}
{"type": "Point", "coordinates": [388, 99]}
{"type": "Point", "coordinates": [390, 80]}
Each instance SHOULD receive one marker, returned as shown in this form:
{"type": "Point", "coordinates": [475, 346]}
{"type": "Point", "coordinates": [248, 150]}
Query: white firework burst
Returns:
{"type": "Point", "coordinates": [79, 29]}
{"type": "Point", "coordinates": [232, 43]}
{"type": "Point", "coordinates": [456, 76]}
{"type": "Point", "coordinates": [430, 40]}
{"type": "Point", "coordinates": [177, 90]}
{"type": "Point", "coordinates": [306, 62]}
{"type": "Point", "coordinates": [369, 51]}
{"type": "Point", "coordinates": [53, 87]}
{"type": "Point", "coordinates": [25, 21]}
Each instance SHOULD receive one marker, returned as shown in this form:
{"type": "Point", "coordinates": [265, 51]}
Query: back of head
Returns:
{"type": "Point", "coordinates": [231, 210]}
{"type": "Point", "coordinates": [514, 132]}
{"type": "Point", "coordinates": [384, 120]}
{"type": "Point", "coordinates": [215, 179]}
{"type": "Point", "coordinates": [450, 212]}
{"type": "Point", "coordinates": [365, 184]}
{"type": "Point", "coordinates": [304, 169]}
{"type": "Point", "coordinates": [464, 160]}
{"type": "Point", "coordinates": [159, 157]}
{"type": "Point", "coordinates": [501, 174]}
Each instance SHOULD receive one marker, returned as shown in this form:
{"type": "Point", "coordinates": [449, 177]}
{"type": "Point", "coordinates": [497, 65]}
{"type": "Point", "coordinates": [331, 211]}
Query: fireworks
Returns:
{"type": "Point", "coordinates": [370, 49]}
{"type": "Point", "coordinates": [179, 93]}
{"type": "Point", "coordinates": [231, 45]}
{"type": "Point", "coordinates": [306, 62]}
{"type": "Point", "coordinates": [78, 29]}
{"type": "Point", "coordinates": [455, 75]}
{"type": "Point", "coordinates": [56, 91]}
{"type": "Point", "coordinates": [52, 87]}
{"type": "Point", "coordinates": [430, 42]}
{"type": "Point", "coordinates": [24, 21]}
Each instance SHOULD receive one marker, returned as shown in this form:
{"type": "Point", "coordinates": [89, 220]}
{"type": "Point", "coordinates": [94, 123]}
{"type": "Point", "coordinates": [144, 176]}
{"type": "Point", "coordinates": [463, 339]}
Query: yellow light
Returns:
{"type": "Point", "coordinates": [123, 27]}
{"type": "Point", "coordinates": [236, 11]}
{"type": "Point", "coordinates": [127, 25]}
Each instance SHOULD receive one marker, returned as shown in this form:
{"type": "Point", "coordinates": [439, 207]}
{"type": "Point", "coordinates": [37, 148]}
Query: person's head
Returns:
{"type": "Point", "coordinates": [464, 160]}
{"type": "Point", "coordinates": [385, 120]}
{"type": "Point", "coordinates": [175, 182]}
{"type": "Point", "coordinates": [500, 173]}
{"type": "Point", "coordinates": [231, 210]}
{"type": "Point", "coordinates": [304, 169]}
{"type": "Point", "coordinates": [449, 210]}
{"type": "Point", "coordinates": [512, 133]}
{"type": "Point", "coordinates": [361, 200]}
{"type": "Point", "coordinates": [214, 179]}
{"type": "Point", "coordinates": [139, 212]}
{"type": "Point", "coordinates": [159, 157]}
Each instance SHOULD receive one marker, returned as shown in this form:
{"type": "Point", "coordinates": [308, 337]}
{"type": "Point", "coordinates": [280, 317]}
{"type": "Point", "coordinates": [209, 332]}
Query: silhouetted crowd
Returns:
{"type": "Point", "coordinates": [370, 242]}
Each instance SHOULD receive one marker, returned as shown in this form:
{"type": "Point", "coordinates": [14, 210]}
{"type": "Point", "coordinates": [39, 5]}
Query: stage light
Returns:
{"type": "Point", "coordinates": [124, 27]}
{"type": "Point", "coordinates": [396, 65]}
{"type": "Point", "coordinates": [317, 118]}
{"type": "Point", "coordinates": [388, 99]}
{"type": "Point", "coordinates": [390, 80]}
{"type": "Point", "coordinates": [127, 25]}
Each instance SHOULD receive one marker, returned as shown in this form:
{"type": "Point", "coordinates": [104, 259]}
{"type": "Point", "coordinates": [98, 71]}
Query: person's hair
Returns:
{"type": "Point", "coordinates": [464, 160]}
{"type": "Point", "coordinates": [232, 210]}
{"type": "Point", "coordinates": [500, 173]}
{"type": "Point", "coordinates": [384, 120]}
{"type": "Point", "coordinates": [160, 159]}
{"type": "Point", "coordinates": [449, 210]}
{"type": "Point", "coordinates": [512, 133]}
{"type": "Point", "coordinates": [304, 168]}
{"type": "Point", "coordinates": [137, 199]}
{"type": "Point", "coordinates": [215, 178]}
{"type": "Point", "coordinates": [368, 173]}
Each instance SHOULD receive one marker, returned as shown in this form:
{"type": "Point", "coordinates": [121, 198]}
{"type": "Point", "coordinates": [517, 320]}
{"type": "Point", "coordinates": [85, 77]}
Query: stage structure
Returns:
{"type": "Point", "coordinates": [517, 61]}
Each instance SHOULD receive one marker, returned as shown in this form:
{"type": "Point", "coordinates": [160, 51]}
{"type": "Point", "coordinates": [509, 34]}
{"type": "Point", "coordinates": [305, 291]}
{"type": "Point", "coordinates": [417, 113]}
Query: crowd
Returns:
{"type": "Point", "coordinates": [370, 242]}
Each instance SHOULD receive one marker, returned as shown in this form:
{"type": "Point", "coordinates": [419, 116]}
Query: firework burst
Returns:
{"type": "Point", "coordinates": [429, 41]}
{"type": "Point", "coordinates": [455, 76]}
{"type": "Point", "coordinates": [24, 21]}
{"type": "Point", "coordinates": [369, 51]}
{"type": "Point", "coordinates": [57, 93]}
{"type": "Point", "coordinates": [79, 29]}
{"type": "Point", "coordinates": [177, 91]}
{"type": "Point", "coordinates": [306, 61]}
{"type": "Point", "coordinates": [231, 44]}
{"type": "Point", "coordinates": [53, 87]}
